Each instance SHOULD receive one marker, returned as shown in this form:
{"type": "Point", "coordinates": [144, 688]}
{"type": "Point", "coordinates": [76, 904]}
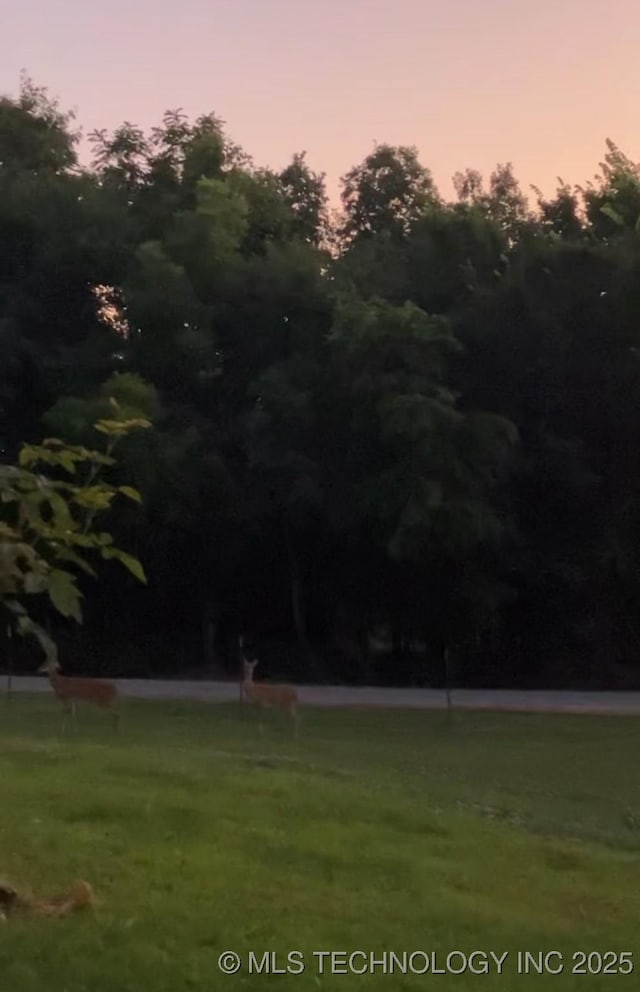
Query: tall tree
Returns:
{"type": "Point", "coordinates": [386, 193]}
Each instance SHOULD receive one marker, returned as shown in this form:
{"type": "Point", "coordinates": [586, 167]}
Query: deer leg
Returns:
{"type": "Point", "coordinates": [72, 714]}
{"type": "Point", "coordinates": [293, 713]}
{"type": "Point", "coordinates": [64, 716]}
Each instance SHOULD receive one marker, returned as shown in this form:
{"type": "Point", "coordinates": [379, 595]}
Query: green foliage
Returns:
{"type": "Point", "coordinates": [504, 203]}
{"type": "Point", "coordinates": [613, 205]}
{"type": "Point", "coordinates": [305, 193]}
{"type": "Point", "coordinates": [429, 462]}
{"type": "Point", "coordinates": [427, 432]}
{"type": "Point", "coordinates": [561, 215]}
{"type": "Point", "coordinates": [387, 193]}
{"type": "Point", "coordinates": [47, 522]}
{"type": "Point", "coordinates": [35, 135]}
{"type": "Point", "coordinates": [221, 215]}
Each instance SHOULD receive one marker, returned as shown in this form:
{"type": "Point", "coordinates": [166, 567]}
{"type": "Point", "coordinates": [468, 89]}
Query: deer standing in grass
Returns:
{"type": "Point", "coordinates": [268, 696]}
{"type": "Point", "coordinates": [72, 690]}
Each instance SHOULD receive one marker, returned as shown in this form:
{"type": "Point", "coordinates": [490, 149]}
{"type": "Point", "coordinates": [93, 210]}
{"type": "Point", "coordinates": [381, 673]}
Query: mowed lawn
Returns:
{"type": "Point", "coordinates": [375, 831]}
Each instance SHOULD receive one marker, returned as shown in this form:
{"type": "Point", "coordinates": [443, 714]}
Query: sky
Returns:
{"type": "Point", "coordinates": [469, 83]}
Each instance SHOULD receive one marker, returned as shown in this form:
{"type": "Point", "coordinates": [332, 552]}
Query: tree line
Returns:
{"type": "Point", "coordinates": [382, 436]}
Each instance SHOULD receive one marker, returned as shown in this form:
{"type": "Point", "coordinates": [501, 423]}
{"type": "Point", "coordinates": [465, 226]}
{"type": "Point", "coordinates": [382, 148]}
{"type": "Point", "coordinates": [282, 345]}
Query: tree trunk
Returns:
{"type": "Point", "coordinates": [297, 598]}
{"type": "Point", "coordinates": [210, 612]}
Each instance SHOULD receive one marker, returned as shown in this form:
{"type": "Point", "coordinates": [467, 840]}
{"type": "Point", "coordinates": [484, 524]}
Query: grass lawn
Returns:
{"type": "Point", "coordinates": [375, 831]}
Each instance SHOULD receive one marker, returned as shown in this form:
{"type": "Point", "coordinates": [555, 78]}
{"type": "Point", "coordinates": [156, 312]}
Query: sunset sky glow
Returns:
{"type": "Point", "coordinates": [470, 84]}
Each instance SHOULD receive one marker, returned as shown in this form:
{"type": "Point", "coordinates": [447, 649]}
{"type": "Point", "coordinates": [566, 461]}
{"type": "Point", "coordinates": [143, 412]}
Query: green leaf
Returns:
{"type": "Point", "coordinates": [94, 497]}
{"type": "Point", "coordinates": [64, 594]}
{"type": "Point", "coordinates": [87, 455]}
{"type": "Point", "coordinates": [68, 462]}
{"type": "Point", "coordinates": [118, 428]}
{"type": "Point", "coordinates": [110, 427]}
{"type": "Point", "coordinates": [136, 423]}
{"type": "Point", "coordinates": [27, 456]}
{"type": "Point", "coordinates": [131, 493]}
{"type": "Point", "coordinates": [15, 607]}
{"type": "Point", "coordinates": [129, 562]}
{"type": "Point", "coordinates": [65, 554]}
{"type": "Point", "coordinates": [62, 519]}
{"type": "Point", "coordinates": [35, 582]}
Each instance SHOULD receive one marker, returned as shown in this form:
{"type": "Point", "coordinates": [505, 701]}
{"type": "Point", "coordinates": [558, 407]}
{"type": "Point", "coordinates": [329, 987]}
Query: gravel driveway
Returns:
{"type": "Point", "coordinates": [541, 701]}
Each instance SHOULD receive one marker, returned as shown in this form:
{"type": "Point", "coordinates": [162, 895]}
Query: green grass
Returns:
{"type": "Point", "coordinates": [375, 831]}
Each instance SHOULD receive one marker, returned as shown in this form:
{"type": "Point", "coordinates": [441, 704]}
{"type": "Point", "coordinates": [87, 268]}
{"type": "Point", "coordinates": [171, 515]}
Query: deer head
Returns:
{"type": "Point", "coordinates": [50, 667]}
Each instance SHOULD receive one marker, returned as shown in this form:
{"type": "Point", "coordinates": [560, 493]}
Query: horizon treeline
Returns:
{"type": "Point", "coordinates": [394, 443]}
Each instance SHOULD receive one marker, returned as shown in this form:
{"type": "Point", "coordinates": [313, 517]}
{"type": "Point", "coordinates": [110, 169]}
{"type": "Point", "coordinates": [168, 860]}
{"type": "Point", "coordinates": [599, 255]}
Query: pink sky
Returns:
{"type": "Point", "coordinates": [469, 83]}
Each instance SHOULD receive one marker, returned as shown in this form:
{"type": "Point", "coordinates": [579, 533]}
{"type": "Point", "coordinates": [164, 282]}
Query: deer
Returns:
{"type": "Point", "coordinates": [267, 696]}
{"type": "Point", "coordinates": [71, 690]}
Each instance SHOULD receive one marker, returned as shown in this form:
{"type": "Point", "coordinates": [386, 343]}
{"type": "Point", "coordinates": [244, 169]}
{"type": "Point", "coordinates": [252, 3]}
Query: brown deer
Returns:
{"type": "Point", "coordinates": [71, 690]}
{"type": "Point", "coordinates": [268, 696]}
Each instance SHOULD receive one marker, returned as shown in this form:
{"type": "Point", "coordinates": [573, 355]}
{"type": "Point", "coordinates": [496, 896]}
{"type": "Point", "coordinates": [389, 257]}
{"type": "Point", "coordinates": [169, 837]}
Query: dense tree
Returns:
{"type": "Point", "coordinates": [386, 193]}
{"type": "Point", "coordinates": [504, 201]}
{"type": "Point", "coordinates": [403, 430]}
{"type": "Point", "coordinates": [305, 194]}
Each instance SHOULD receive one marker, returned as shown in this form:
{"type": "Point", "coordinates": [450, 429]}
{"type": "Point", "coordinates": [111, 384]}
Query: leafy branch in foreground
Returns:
{"type": "Point", "coordinates": [47, 523]}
